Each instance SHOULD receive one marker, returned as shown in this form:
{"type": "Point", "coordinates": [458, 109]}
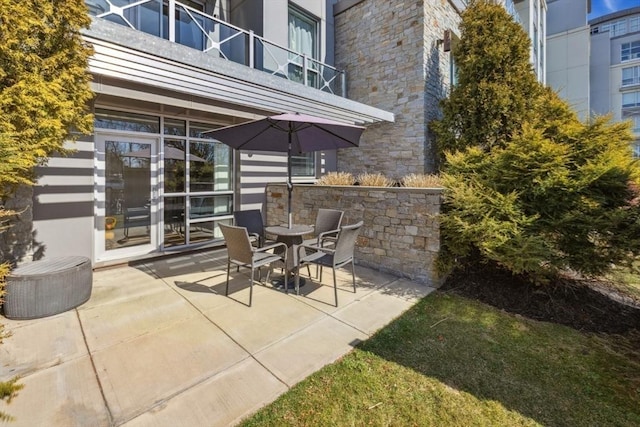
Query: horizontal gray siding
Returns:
{"type": "Point", "coordinates": [63, 205]}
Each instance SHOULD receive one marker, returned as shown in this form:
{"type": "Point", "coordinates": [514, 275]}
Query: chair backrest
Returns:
{"type": "Point", "coordinates": [238, 243]}
{"type": "Point", "coordinates": [327, 220]}
{"type": "Point", "coordinates": [251, 219]}
{"type": "Point", "coordinates": [346, 243]}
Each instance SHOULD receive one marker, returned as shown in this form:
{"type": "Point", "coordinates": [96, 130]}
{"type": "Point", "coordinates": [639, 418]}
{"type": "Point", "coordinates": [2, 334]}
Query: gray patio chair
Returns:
{"type": "Point", "coordinates": [328, 223]}
{"type": "Point", "coordinates": [251, 219]}
{"type": "Point", "coordinates": [336, 256]}
{"type": "Point", "coordinates": [242, 253]}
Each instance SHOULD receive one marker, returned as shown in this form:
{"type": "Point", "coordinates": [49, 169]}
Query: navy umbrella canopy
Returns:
{"type": "Point", "coordinates": [289, 133]}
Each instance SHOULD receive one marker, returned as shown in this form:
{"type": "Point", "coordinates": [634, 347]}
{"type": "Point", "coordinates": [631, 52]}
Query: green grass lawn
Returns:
{"type": "Point", "coordinates": [450, 361]}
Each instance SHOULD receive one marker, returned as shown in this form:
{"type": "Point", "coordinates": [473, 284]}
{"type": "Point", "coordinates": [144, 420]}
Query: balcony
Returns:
{"type": "Point", "coordinates": [189, 27]}
{"type": "Point", "coordinates": [511, 8]}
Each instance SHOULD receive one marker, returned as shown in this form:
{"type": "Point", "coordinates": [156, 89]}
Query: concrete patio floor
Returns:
{"type": "Point", "coordinates": [158, 344]}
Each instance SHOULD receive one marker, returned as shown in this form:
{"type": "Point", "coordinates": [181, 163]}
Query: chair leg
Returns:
{"type": "Point", "coordinates": [251, 286]}
{"type": "Point", "coordinates": [335, 285]}
{"type": "Point", "coordinates": [226, 292]}
{"type": "Point", "coordinates": [297, 279]}
{"type": "Point", "coordinates": [266, 280]}
{"type": "Point", "coordinates": [286, 281]}
{"type": "Point", "coordinates": [353, 274]}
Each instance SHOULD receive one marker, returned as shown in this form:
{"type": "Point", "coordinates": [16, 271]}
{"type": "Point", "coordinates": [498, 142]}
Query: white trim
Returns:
{"type": "Point", "coordinates": [101, 253]}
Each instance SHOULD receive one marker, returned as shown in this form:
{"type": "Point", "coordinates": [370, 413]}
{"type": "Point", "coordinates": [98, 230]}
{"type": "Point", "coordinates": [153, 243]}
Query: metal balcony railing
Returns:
{"type": "Point", "coordinates": [187, 26]}
{"type": "Point", "coordinates": [511, 8]}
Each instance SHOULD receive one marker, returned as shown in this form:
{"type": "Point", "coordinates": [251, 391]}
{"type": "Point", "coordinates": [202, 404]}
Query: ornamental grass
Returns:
{"type": "Point", "coordinates": [422, 180]}
{"type": "Point", "coordinates": [336, 178]}
{"type": "Point", "coordinates": [374, 180]}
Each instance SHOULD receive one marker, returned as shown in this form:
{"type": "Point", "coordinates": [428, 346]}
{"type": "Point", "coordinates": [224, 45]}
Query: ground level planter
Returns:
{"type": "Point", "coordinates": [47, 287]}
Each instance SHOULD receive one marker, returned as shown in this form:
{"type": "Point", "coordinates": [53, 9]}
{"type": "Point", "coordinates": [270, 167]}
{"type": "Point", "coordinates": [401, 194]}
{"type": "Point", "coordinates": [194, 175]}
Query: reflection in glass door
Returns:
{"type": "Point", "coordinates": [129, 196]}
{"type": "Point", "coordinates": [197, 185]}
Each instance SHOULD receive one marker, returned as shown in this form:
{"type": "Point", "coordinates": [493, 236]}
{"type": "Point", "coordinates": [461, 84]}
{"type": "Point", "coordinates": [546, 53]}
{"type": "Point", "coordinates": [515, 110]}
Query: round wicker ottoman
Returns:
{"type": "Point", "coordinates": [48, 287]}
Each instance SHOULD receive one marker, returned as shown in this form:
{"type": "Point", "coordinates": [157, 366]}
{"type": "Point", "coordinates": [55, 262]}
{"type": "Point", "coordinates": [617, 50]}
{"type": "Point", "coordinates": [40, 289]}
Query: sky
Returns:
{"type": "Point", "coordinates": [604, 7]}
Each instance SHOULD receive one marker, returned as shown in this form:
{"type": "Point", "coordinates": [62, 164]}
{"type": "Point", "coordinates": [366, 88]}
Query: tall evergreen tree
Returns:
{"type": "Point", "coordinates": [496, 85]}
{"type": "Point", "coordinates": [44, 82]}
{"type": "Point", "coordinates": [529, 186]}
{"type": "Point", "coordinates": [44, 94]}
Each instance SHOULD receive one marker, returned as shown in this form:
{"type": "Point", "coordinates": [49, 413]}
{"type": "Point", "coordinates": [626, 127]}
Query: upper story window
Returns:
{"type": "Point", "coordinates": [636, 150]}
{"type": "Point", "coordinates": [618, 28]}
{"type": "Point", "coordinates": [631, 99]}
{"type": "Point", "coordinates": [635, 123]}
{"type": "Point", "coordinates": [303, 39]}
{"type": "Point", "coordinates": [631, 76]}
{"type": "Point", "coordinates": [303, 33]}
{"type": "Point", "coordinates": [629, 51]}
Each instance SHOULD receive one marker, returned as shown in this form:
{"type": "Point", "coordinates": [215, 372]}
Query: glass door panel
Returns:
{"type": "Point", "coordinates": [126, 220]}
{"type": "Point", "coordinates": [174, 221]}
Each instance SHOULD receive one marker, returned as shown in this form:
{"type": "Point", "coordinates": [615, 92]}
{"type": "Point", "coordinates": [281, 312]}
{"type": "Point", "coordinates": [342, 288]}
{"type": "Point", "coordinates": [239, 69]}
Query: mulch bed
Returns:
{"type": "Point", "coordinates": [569, 302]}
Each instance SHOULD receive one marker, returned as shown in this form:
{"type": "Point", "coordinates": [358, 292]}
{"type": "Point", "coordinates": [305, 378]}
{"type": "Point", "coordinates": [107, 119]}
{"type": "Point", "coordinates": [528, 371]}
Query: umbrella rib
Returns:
{"type": "Point", "coordinates": [254, 137]}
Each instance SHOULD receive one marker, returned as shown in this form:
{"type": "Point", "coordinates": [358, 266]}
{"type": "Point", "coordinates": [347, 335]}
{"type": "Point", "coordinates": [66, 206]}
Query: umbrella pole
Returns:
{"type": "Point", "coordinates": [289, 184]}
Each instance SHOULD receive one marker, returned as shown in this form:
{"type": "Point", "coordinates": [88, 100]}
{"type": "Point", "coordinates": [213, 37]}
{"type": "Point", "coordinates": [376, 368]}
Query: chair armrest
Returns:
{"type": "Point", "coordinates": [331, 234]}
{"type": "Point", "coordinates": [273, 246]}
{"type": "Point", "coordinates": [332, 239]}
{"type": "Point", "coordinates": [313, 247]}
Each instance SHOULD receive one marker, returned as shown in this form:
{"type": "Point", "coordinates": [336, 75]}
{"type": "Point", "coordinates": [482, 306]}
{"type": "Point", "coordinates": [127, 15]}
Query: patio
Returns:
{"type": "Point", "coordinates": [159, 344]}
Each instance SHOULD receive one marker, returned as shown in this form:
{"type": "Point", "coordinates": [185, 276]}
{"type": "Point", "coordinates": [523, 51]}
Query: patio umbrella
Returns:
{"type": "Point", "coordinates": [290, 133]}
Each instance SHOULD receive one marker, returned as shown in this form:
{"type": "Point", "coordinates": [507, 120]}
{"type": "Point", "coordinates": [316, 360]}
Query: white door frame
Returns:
{"type": "Point", "coordinates": [101, 253]}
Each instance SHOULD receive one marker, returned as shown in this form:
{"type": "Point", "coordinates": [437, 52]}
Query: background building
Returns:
{"type": "Point", "coordinates": [615, 67]}
{"type": "Point", "coordinates": [568, 52]}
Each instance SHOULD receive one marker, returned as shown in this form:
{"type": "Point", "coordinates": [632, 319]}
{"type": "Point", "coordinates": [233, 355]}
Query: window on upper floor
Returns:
{"type": "Point", "coordinates": [629, 51]}
{"type": "Point", "coordinates": [631, 99]}
{"type": "Point", "coordinates": [303, 39]}
{"type": "Point", "coordinates": [303, 33]}
{"type": "Point", "coordinates": [618, 28]}
{"type": "Point", "coordinates": [631, 76]}
{"type": "Point", "coordinates": [635, 149]}
{"type": "Point", "coordinates": [635, 123]}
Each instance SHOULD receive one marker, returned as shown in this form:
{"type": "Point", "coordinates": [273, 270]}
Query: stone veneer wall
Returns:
{"type": "Point", "coordinates": [394, 61]}
{"type": "Point", "coordinates": [401, 233]}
